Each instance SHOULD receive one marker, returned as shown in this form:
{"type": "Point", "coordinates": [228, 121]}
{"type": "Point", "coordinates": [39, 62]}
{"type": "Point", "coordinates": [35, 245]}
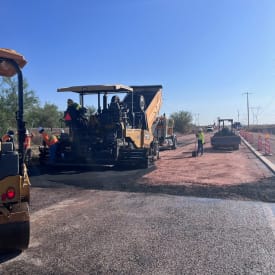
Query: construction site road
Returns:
{"type": "Point", "coordinates": [212, 214]}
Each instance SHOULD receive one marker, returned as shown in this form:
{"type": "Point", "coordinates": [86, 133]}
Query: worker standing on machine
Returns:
{"type": "Point", "coordinates": [27, 146]}
{"type": "Point", "coordinates": [200, 137]}
{"type": "Point", "coordinates": [51, 141]}
{"type": "Point", "coordinates": [72, 111]}
{"type": "Point", "coordinates": [74, 116]}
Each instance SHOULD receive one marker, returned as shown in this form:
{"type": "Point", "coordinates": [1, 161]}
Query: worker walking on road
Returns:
{"type": "Point", "coordinates": [51, 141]}
{"type": "Point", "coordinates": [200, 137]}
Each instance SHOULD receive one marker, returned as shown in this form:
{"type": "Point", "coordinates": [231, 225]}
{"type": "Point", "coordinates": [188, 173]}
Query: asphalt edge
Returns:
{"type": "Point", "coordinates": [266, 161]}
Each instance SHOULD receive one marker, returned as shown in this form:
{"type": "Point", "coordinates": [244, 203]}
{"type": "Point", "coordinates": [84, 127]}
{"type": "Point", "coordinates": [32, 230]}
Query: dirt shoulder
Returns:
{"type": "Point", "coordinates": [218, 173]}
{"type": "Point", "coordinates": [215, 167]}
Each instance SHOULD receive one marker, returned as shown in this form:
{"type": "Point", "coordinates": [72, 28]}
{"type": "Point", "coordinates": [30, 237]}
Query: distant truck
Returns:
{"type": "Point", "coordinates": [225, 137]}
{"type": "Point", "coordinates": [210, 128]}
{"type": "Point", "coordinates": [164, 133]}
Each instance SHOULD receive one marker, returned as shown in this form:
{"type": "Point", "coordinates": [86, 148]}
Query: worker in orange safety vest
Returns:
{"type": "Point", "coordinates": [9, 137]}
{"type": "Point", "coordinates": [72, 111]}
{"type": "Point", "coordinates": [51, 141]}
{"type": "Point", "coordinates": [27, 145]}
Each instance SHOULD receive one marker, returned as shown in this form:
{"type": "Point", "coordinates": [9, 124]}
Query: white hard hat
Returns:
{"type": "Point", "coordinates": [200, 129]}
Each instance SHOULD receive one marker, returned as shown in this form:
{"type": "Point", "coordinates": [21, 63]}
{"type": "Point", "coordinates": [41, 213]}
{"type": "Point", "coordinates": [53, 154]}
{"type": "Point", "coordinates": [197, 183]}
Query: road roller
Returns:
{"type": "Point", "coordinates": [14, 180]}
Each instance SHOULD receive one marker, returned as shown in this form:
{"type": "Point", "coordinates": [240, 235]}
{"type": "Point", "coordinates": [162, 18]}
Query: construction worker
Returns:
{"type": "Point", "coordinates": [74, 116]}
{"type": "Point", "coordinates": [9, 137]}
{"type": "Point", "coordinates": [72, 111]}
{"type": "Point", "coordinates": [72, 104]}
{"type": "Point", "coordinates": [51, 141]}
{"type": "Point", "coordinates": [27, 146]}
{"type": "Point", "coordinates": [200, 137]}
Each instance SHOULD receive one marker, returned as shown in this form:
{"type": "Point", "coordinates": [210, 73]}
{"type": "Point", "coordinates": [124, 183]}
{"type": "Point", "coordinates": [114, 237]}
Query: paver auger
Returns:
{"type": "Point", "coordinates": [14, 181]}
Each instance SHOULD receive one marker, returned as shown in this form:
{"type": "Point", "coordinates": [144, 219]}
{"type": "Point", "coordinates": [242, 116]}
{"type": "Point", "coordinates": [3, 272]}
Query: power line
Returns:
{"type": "Point", "coordinates": [255, 113]}
{"type": "Point", "coordinates": [197, 119]}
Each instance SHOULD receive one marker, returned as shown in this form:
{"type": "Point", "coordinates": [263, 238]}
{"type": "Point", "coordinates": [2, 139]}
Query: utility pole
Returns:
{"type": "Point", "coordinates": [197, 119]}
{"type": "Point", "coordinates": [247, 105]}
{"type": "Point", "coordinates": [255, 113]}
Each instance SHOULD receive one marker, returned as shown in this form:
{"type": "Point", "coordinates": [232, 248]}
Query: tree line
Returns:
{"type": "Point", "coordinates": [48, 115]}
{"type": "Point", "coordinates": [34, 114]}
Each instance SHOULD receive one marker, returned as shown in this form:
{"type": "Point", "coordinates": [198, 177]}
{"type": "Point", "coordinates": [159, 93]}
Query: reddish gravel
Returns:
{"type": "Point", "coordinates": [215, 167]}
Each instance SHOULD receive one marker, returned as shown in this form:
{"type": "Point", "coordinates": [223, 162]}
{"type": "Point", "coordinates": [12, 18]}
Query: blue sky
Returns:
{"type": "Point", "coordinates": [206, 53]}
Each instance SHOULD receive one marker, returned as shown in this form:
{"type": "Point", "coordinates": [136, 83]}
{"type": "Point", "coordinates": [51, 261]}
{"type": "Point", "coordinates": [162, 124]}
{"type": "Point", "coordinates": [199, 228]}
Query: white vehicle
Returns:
{"type": "Point", "coordinates": [209, 128]}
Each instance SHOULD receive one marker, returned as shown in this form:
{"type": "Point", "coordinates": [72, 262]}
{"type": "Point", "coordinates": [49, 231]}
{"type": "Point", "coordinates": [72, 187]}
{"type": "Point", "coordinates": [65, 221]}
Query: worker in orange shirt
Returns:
{"type": "Point", "coordinates": [9, 137]}
{"type": "Point", "coordinates": [27, 146]}
{"type": "Point", "coordinates": [51, 141]}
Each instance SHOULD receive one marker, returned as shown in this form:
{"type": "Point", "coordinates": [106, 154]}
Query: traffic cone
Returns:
{"type": "Point", "coordinates": [267, 150]}
{"type": "Point", "coordinates": [260, 143]}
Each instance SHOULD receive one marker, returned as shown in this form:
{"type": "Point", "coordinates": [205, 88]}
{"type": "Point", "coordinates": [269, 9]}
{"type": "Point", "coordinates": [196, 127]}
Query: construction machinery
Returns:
{"type": "Point", "coordinates": [14, 181]}
{"type": "Point", "coordinates": [118, 134]}
{"type": "Point", "coordinates": [164, 133]}
{"type": "Point", "coordinates": [225, 137]}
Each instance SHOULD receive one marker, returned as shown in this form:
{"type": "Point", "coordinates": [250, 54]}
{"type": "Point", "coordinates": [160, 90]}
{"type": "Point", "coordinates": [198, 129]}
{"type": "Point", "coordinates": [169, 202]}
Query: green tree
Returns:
{"type": "Point", "coordinates": [183, 121]}
{"type": "Point", "coordinates": [48, 116]}
{"type": "Point", "coordinates": [9, 101]}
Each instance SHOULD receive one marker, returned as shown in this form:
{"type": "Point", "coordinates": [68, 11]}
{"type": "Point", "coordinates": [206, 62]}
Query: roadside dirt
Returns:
{"type": "Point", "coordinates": [218, 173]}
{"type": "Point", "coordinates": [215, 167]}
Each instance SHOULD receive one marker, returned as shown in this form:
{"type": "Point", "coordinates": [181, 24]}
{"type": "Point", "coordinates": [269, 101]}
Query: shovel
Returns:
{"type": "Point", "coordinates": [194, 153]}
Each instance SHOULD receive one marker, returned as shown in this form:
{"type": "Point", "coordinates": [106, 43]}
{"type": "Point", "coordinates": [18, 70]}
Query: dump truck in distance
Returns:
{"type": "Point", "coordinates": [163, 129]}
{"type": "Point", "coordinates": [118, 134]}
{"type": "Point", "coordinates": [14, 180]}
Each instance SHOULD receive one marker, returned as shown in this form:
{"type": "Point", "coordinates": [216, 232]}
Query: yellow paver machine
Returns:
{"type": "Point", "coordinates": [119, 133]}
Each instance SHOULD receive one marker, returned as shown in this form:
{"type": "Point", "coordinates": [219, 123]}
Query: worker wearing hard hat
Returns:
{"type": "Point", "coordinates": [27, 145]}
{"type": "Point", "coordinates": [9, 137]}
{"type": "Point", "coordinates": [51, 141]}
{"type": "Point", "coordinates": [200, 137]}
